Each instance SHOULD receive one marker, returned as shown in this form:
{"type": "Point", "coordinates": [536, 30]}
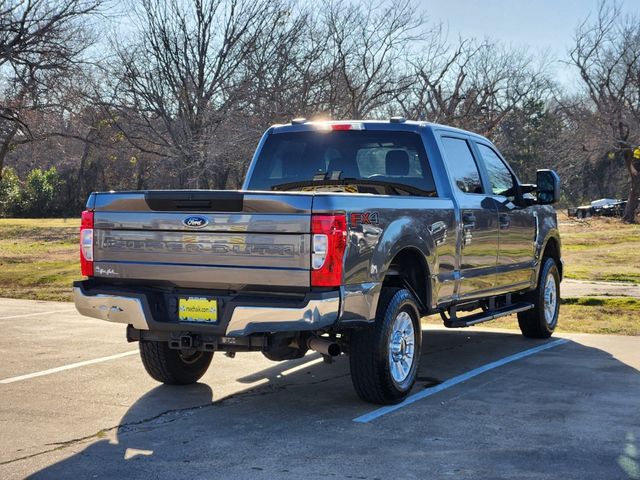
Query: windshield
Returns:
{"type": "Point", "coordinates": [376, 156]}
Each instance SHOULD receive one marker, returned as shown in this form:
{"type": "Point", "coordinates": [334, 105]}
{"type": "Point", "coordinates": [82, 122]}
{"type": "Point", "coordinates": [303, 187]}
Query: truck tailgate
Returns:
{"type": "Point", "coordinates": [203, 239]}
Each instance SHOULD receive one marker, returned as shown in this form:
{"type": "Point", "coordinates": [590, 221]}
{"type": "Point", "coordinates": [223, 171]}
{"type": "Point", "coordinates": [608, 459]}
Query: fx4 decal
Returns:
{"type": "Point", "coordinates": [364, 218]}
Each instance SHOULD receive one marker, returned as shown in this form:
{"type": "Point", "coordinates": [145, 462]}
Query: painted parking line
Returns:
{"type": "Point", "coordinates": [367, 417]}
{"type": "Point", "coordinates": [67, 367]}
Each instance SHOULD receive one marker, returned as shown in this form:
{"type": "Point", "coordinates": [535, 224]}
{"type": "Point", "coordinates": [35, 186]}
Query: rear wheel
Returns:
{"type": "Point", "coordinates": [173, 367]}
{"type": "Point", "coordinates": [541, 321]}
{"type": "Point", "coordinates": [384, 358]}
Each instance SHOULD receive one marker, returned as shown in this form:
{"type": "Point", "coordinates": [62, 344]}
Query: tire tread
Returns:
{"type": "Point", "coordinates": [164, 364]}
{"type": "Point", "coordinates": [532, 322]}
{"type": "Point", "coordinates": [370, 377]}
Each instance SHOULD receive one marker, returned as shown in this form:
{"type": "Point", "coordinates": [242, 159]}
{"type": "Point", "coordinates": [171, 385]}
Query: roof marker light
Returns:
{"type": "Point", "coordinates": [340, 126]}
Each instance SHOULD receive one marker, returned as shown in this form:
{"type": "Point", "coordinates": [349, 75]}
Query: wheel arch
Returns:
{"type": "Point", "coordinates": [552, 250]}
{"type": "Point", "coordinates": [409, 269]}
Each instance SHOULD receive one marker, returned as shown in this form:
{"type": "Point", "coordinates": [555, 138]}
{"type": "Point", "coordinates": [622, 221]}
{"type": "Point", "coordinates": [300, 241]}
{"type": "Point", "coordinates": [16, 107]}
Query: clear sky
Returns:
{"type": "Point", "coordinates": [542, 25]}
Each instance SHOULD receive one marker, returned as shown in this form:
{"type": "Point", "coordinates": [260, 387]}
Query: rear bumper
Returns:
{"type": "Point", "coordinates": [241, 315]}
{"type": "Point", "coordinates": [316, 314]}
{"type": "Point", "coordinates": [111, 308]}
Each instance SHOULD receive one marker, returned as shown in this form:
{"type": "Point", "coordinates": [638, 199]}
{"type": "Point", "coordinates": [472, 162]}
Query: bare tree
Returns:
{"type": "Point", "coordinates": [287, 74]}
{"type": "Point", "coordinates": [190, 85]}
{"type": "Point", "coordinates": [368, 45]}
{"type": "Point", "coordinates": [607, 55]}
{"type": "Point", "coordinates": [40, 42]}
{"type": "Point", "coordinates": [180, 78]}
{"type": "Point", "coordinates": [473, 85]}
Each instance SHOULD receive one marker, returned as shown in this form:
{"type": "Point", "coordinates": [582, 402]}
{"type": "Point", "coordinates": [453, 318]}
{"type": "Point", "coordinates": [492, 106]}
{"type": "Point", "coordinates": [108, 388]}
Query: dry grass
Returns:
{"type": "Point", "coordinates": [39, 258]}
{"type": "Point", "coordinates": [601, 249]}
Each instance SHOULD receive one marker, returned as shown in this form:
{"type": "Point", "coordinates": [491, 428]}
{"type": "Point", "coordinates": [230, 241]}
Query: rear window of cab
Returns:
{"type": "Point", "coordinates": [381, 156]}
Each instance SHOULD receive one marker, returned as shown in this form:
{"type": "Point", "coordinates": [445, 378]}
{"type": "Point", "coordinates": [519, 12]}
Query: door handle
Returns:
{"type": "Point", "coordinates": [505, 221]}
{"type": "Point", "coordinates": [468, 220]}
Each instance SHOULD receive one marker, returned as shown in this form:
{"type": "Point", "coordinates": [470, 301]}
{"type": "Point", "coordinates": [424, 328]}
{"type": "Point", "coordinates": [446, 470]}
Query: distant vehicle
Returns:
{"type": "Point", "coordinates": [605, 207]}
{"type": "Point", "coordinates": [345, 234]}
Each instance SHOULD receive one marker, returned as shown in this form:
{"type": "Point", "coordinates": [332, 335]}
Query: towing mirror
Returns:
{"type": "Point", "coordinates": [547, 187]}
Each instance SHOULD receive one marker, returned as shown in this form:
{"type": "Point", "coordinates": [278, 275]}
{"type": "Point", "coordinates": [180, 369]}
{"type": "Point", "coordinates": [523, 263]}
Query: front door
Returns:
{"type": "Point", "coordinates": [479, 220]}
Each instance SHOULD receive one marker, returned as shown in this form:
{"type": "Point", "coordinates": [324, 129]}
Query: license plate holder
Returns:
{"type": "Point", "coordinates": [198, 309]}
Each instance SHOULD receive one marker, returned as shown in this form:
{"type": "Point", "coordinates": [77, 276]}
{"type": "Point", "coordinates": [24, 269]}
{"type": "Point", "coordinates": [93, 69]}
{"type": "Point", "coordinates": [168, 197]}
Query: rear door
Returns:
{"type": "Point", "coordinates": [479, 218]}
{"type": "Point", "coordinates": [517, 223]}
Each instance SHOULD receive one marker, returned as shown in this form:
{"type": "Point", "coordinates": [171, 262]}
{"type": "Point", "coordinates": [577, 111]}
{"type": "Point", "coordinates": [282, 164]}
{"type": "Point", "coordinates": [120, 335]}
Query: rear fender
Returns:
{"type": "Point", "coordinates": [398, 235]}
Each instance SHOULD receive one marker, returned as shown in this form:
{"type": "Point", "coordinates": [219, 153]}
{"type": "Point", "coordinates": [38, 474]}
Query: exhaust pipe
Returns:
{"type": "Point", "coordinates": [324, 346]}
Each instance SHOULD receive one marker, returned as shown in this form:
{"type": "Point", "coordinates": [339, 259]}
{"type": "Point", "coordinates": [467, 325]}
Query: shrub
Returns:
{"type": "Point", "coordinates": [37, 196]}
{"type": "Point", "coordinates": [9, 192]}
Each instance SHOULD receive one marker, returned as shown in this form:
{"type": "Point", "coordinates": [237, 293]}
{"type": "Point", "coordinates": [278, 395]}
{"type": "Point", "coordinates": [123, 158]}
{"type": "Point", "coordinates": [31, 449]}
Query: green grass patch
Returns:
{"type": "Point", "coordinates": [584, 274]}
{"type": "Point", "coordinates": [613, 316]}
{"type": "Point", "coordinates": [31, 223]}
{"type": "Point", "coordinates": [625, 303]}
{"type": "Point", "coordinates": [39, 258]}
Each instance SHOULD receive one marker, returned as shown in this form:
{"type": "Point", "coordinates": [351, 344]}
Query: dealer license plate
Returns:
{"type": "Point", "coordinates": [197, 309]}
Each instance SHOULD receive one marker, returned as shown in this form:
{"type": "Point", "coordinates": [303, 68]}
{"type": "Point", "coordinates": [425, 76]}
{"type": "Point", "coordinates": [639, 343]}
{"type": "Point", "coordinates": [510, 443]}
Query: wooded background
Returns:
{"type": "Point", "coordinates": [176, 93]}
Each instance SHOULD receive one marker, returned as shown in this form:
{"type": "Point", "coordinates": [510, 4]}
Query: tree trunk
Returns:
{"type": "Point", "coordinates": [140, 176]}
{"type": "Point", "coordinates": [80, 193]}
{"type": "Point", "coordinates": [632, 203]}
{"type": "Point", "coordinates": [633, 166]}
{"type": "Point", "coordinates": [6, 144]}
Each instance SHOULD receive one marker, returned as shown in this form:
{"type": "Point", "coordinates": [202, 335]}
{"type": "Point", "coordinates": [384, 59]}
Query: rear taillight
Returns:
{"type": "Point", "coordinates": [86, 243]}
{"type": "Point", "coordinates": [329, 239]}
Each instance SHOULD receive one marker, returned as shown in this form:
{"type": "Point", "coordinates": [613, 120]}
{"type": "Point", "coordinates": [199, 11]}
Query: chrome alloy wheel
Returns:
{"type": "Point", "coordinates": [550, 299]}
{"type": "Point", "coordinates": [401, 347]}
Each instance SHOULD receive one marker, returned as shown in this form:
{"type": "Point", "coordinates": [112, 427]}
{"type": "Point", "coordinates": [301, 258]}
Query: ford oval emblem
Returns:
{"type": "Point", "coordinates": [195, 222]}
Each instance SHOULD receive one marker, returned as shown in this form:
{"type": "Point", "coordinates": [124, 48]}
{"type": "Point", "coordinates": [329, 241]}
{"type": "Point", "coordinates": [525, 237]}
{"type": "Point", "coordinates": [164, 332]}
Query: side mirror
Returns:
{"type": "Point", "coordinates": [547, 187]}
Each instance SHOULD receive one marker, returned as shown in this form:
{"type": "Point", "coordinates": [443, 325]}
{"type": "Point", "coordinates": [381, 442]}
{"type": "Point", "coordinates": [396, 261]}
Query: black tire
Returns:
{"type": "Point", "coordinates": [369, 351]}
{"type": "Point", "coordinates": [534, 323]}
{"type": "Point", "coordinates": [173, 367]}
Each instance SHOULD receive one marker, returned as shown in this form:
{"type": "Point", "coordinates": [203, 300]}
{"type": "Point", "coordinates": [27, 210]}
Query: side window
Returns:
{"type": "Point", "coordinates": [500, 177]}
{"type": "Point", "coordinates": [462, 165]}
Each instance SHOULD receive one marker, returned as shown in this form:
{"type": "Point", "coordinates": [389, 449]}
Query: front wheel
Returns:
{"type": "Point", "coordinates": [541, 321]}
{"type": "Point", "coordinates": [384, 358]}
{"type": "Point", "coordinates": [173, 367]}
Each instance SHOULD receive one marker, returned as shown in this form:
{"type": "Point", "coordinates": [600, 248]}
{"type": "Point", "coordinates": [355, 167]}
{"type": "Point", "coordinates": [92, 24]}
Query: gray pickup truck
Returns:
{"type": "Point", "coordinates": [344, 235]}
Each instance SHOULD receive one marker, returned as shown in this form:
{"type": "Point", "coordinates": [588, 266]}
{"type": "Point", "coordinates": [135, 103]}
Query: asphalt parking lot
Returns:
{"type": "Point", "coordinates": [75, 402]}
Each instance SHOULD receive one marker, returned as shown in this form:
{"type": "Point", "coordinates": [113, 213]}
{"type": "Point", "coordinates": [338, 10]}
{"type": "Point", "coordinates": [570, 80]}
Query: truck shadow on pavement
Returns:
{"type": "Point", "coordinates": [571, 409]}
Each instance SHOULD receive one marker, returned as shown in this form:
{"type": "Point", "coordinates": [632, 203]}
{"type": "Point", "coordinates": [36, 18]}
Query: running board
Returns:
{"type": "Point", "coordinates": [455, 322]}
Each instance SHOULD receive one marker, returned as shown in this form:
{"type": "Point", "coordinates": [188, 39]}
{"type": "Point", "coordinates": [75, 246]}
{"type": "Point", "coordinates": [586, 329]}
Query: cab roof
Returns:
{"type": "Point", "coordinates": [302, 125]}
